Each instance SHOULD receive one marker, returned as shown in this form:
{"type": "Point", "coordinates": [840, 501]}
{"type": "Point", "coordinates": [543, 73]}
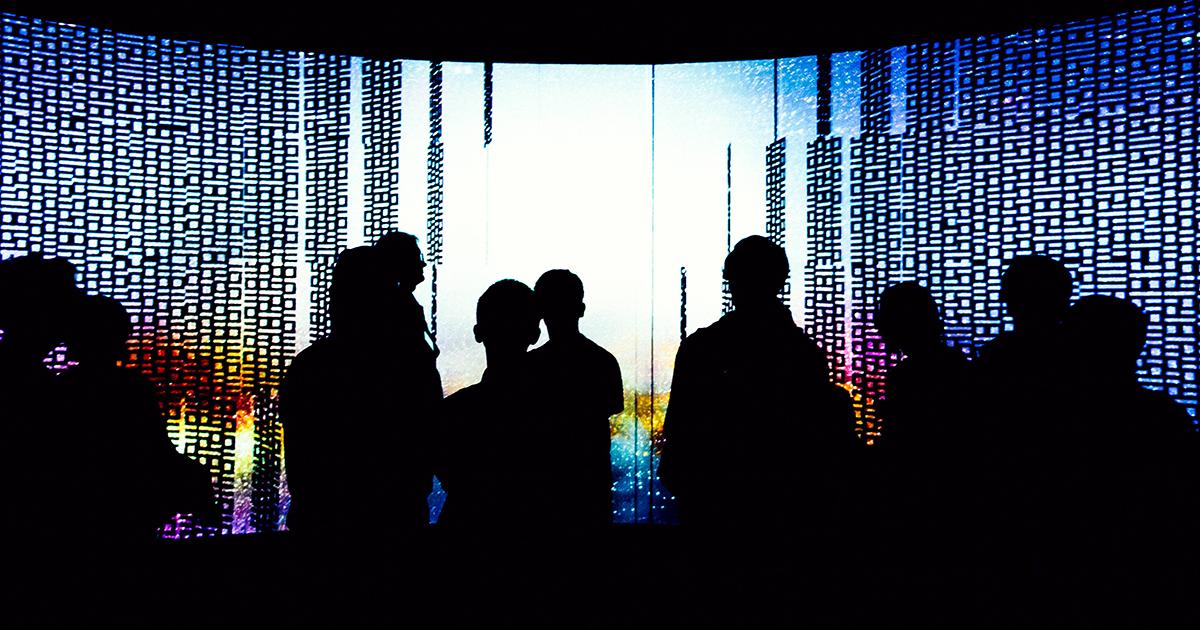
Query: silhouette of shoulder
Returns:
{"type": "Point", "coordinates": [1157, 417]}
{"type": "Point", "coordinates": [461, 404]}
{"type": "Point", "coordinates": [776, 339]}
{"type": "Point", "coordinates": [580, 363]}
{"type": "Point", "coordinates": [947, 365]}
{"type": "Point", "coordinates": [1000, 348]}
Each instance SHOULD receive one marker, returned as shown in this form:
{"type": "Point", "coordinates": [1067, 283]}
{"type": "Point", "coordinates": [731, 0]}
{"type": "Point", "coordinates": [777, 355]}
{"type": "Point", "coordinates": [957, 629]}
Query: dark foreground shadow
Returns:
{"type": "Point", "coordinates": [627, 577]}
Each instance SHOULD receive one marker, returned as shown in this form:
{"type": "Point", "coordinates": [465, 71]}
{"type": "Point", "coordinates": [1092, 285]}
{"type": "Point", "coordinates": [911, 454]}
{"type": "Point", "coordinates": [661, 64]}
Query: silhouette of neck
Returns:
{"type": "Point", "coordinates": [758, 305]}
{"type": "Point", "coordinates": [562, 329]}
{"type": "Point", "coordinates": [503, 358]}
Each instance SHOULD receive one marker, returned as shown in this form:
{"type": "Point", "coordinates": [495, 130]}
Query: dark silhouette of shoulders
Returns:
{"type": "Point", "coordinates": [116, 430]}
{"type": "Point", "coordinates": [752, 413]}
{"type": "Point", "coordinates": [487, 440]}
{"type": "Point", "coordinates": [491, 442]}
{"type": "Point", "coordinates": [587, 366]}
{"type": "Point", "coordinates": [367, 378]}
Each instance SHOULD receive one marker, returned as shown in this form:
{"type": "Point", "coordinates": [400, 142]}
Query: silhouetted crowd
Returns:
{"type": "Point", "coordinates": [1039, 451]}
{"type": "Point", "coordinates": [87, 457]}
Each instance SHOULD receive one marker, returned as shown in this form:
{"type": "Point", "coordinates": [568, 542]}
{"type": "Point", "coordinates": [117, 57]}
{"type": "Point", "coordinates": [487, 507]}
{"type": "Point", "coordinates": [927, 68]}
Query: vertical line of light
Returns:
{"type": "Point", "coordinates": [653, 238]}
{"type": "Point", "coordinates": [845, 241]}
{"type": "Point", "coordinates": [488, 78]}
{"type": "Point", "coordinates": [728, 198]}
{"type": "Point", "coordinates": [244, 421]}
{"type": "Point", "coordinates": [303, 275]}
{"type": "Point", "coordinates": [682, 304]}
{"type": "Point", "coordinates": [726, 299]}
{"type": "Point", "coordinates": [355, 206]}
{"type": "Point", "coordinates": [775, 97]}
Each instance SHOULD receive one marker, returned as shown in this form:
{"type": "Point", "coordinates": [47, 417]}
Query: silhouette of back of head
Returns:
{"type": "Point", "coordinates": [1037, 291]}
{"type": "Point", "coordinates": [101, 328]}
{"type": "Point", "coordinates": [1105, 335]}
{"type": "Point", "coordinates": [559, 295]}
{"type": "Point", "coordinates": [756, 270]}
{"type": "Point", "coordinates": [35, 294]}
{"type": "Point", "coordinates": [360, 280]}
{"type": "Point", "coordinates": [403, 258]}
{"type": "Point", "coordinates": [908, 318]}
{"type": "Point", "coordinates": [506, 320]}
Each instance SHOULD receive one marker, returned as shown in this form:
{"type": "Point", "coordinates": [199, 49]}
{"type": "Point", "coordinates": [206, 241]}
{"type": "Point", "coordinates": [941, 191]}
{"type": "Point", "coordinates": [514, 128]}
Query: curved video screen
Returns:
{"type": "Point", "coordinates": [210, 188]}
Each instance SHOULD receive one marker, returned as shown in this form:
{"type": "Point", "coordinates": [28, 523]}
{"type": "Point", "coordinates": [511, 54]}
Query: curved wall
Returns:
{"type": "Point", "coordinates": [210, 187]}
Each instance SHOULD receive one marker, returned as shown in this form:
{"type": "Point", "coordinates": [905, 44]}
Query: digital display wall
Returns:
{"type": "Point", "coordinates": [210, 188]}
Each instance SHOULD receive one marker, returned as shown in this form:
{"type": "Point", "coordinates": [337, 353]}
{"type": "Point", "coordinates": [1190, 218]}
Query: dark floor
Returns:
{"type": "Point", "coordinates": [621, 577]}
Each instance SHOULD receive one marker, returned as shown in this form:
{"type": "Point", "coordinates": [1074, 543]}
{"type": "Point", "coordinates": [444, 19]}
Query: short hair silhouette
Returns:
{"type": "Point", "coordinates": [907, 316]}
{"type": "Point", "coordinates": [100, 330]}
{"type": "Point", "coordinates": [1036, 289]}
{"type": "Point", "coordinates": [400, 241]}
{"type": "Point", "coordinates": [1106, 332]}
{"type": "Point", "coordinates": [559, 294]}
{"type": "Point", "coordinates": [756, 267]}
{"type": "Point", "coordinates": [402, 255]}
{"type": "Point", "coordinates": [35, 297]}
{"type": "Point", "coordinates": [506, 313]}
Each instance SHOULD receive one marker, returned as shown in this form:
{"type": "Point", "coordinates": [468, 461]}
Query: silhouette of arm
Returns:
{"type": "Point", "coordinates": [297, 416]}
{"type": "Point", "coordinates": [179, 484]}
{"type": "Point", "coordinates": [614, 402]}
{"type": "Point", "coordinates": [678, 426]}
{"type": "Point", "coordinates": [444, 465]}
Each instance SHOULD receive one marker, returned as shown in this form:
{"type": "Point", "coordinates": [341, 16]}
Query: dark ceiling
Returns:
{"type": "Point", "coordinates": [576, 32]}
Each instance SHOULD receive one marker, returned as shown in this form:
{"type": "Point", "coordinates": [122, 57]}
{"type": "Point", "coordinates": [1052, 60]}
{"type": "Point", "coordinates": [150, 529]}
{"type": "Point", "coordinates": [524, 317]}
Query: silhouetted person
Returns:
{"type": "Point", "coordinates": [125, 477]}
{"type": "Point", "coordinates": [1025, 436]}
{"type": "Point", "coordinates": [1017, 378]}
{"type": "Point", "coordinates": [926, 422]}
{"type": "Point", "coordinates": [35, 295]}
{"type": "Point", "coordinates": [357, 412]}
{"type": "Point", "coordinates": [1136, 447]}
{"type": "Point", "coordinates": [919, 478]}
{"type": "Point", "coordinates": [754, 431]}
{"type": "Point", "coordinates": [921, 412]}
{"type": "Point", "coordinates": [1019, 366]}
{"type": "Point", "coordinates": [405, 266]}
{"type": "Point", "coordinates": [492, 463]}
{"type": "Point", "coordinates": [1125, 519]}
{"type": "Point", "coordinates": [580, 387]}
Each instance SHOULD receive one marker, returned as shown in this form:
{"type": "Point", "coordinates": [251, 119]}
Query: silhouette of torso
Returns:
{"type": "Point", "coordinates": [357, 417]}
{"type": "Point", "coordinates": [31, 408]}
{"type": "Point", "coordinates": [752, 421]}
{"type": "Point", "coordinates": [1135, 454]}
{"type": "Point", "coordinates": [579, 385]}
{"type": "Point", "coordinates": [922, 411]}
{"type": "Point", "coordinates": [926, 442]}
{"type": "Point", "coordinates": [492, 464]}
{"type": "Point", "coordinates": [1020, 407]}
{"type": "Point", "coordinates": [128, 478]}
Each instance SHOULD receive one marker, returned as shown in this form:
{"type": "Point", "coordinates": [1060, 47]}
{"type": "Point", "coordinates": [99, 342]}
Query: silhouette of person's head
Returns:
{"type": "Point", "coordinates": [907, 316]}
{"type": "Point", "coordinates": [99, 331]}
{"type": "Point", "coordinates": [506, 320]}
{"type": "Point", "coordinates": [756, 270]}
{"type": "Point", "coordinates": [360, 284]}
{"type": "Point", "coordinates": [405, 263]}
{"type": "Point", "coordinates": [35, 296]}
{"type": "Point", "coordinates": [1105, 336]}
{"type": "Point", "coordinates": [559, 295]}
{"type": "Point", "coordinates": [1037, 291]}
